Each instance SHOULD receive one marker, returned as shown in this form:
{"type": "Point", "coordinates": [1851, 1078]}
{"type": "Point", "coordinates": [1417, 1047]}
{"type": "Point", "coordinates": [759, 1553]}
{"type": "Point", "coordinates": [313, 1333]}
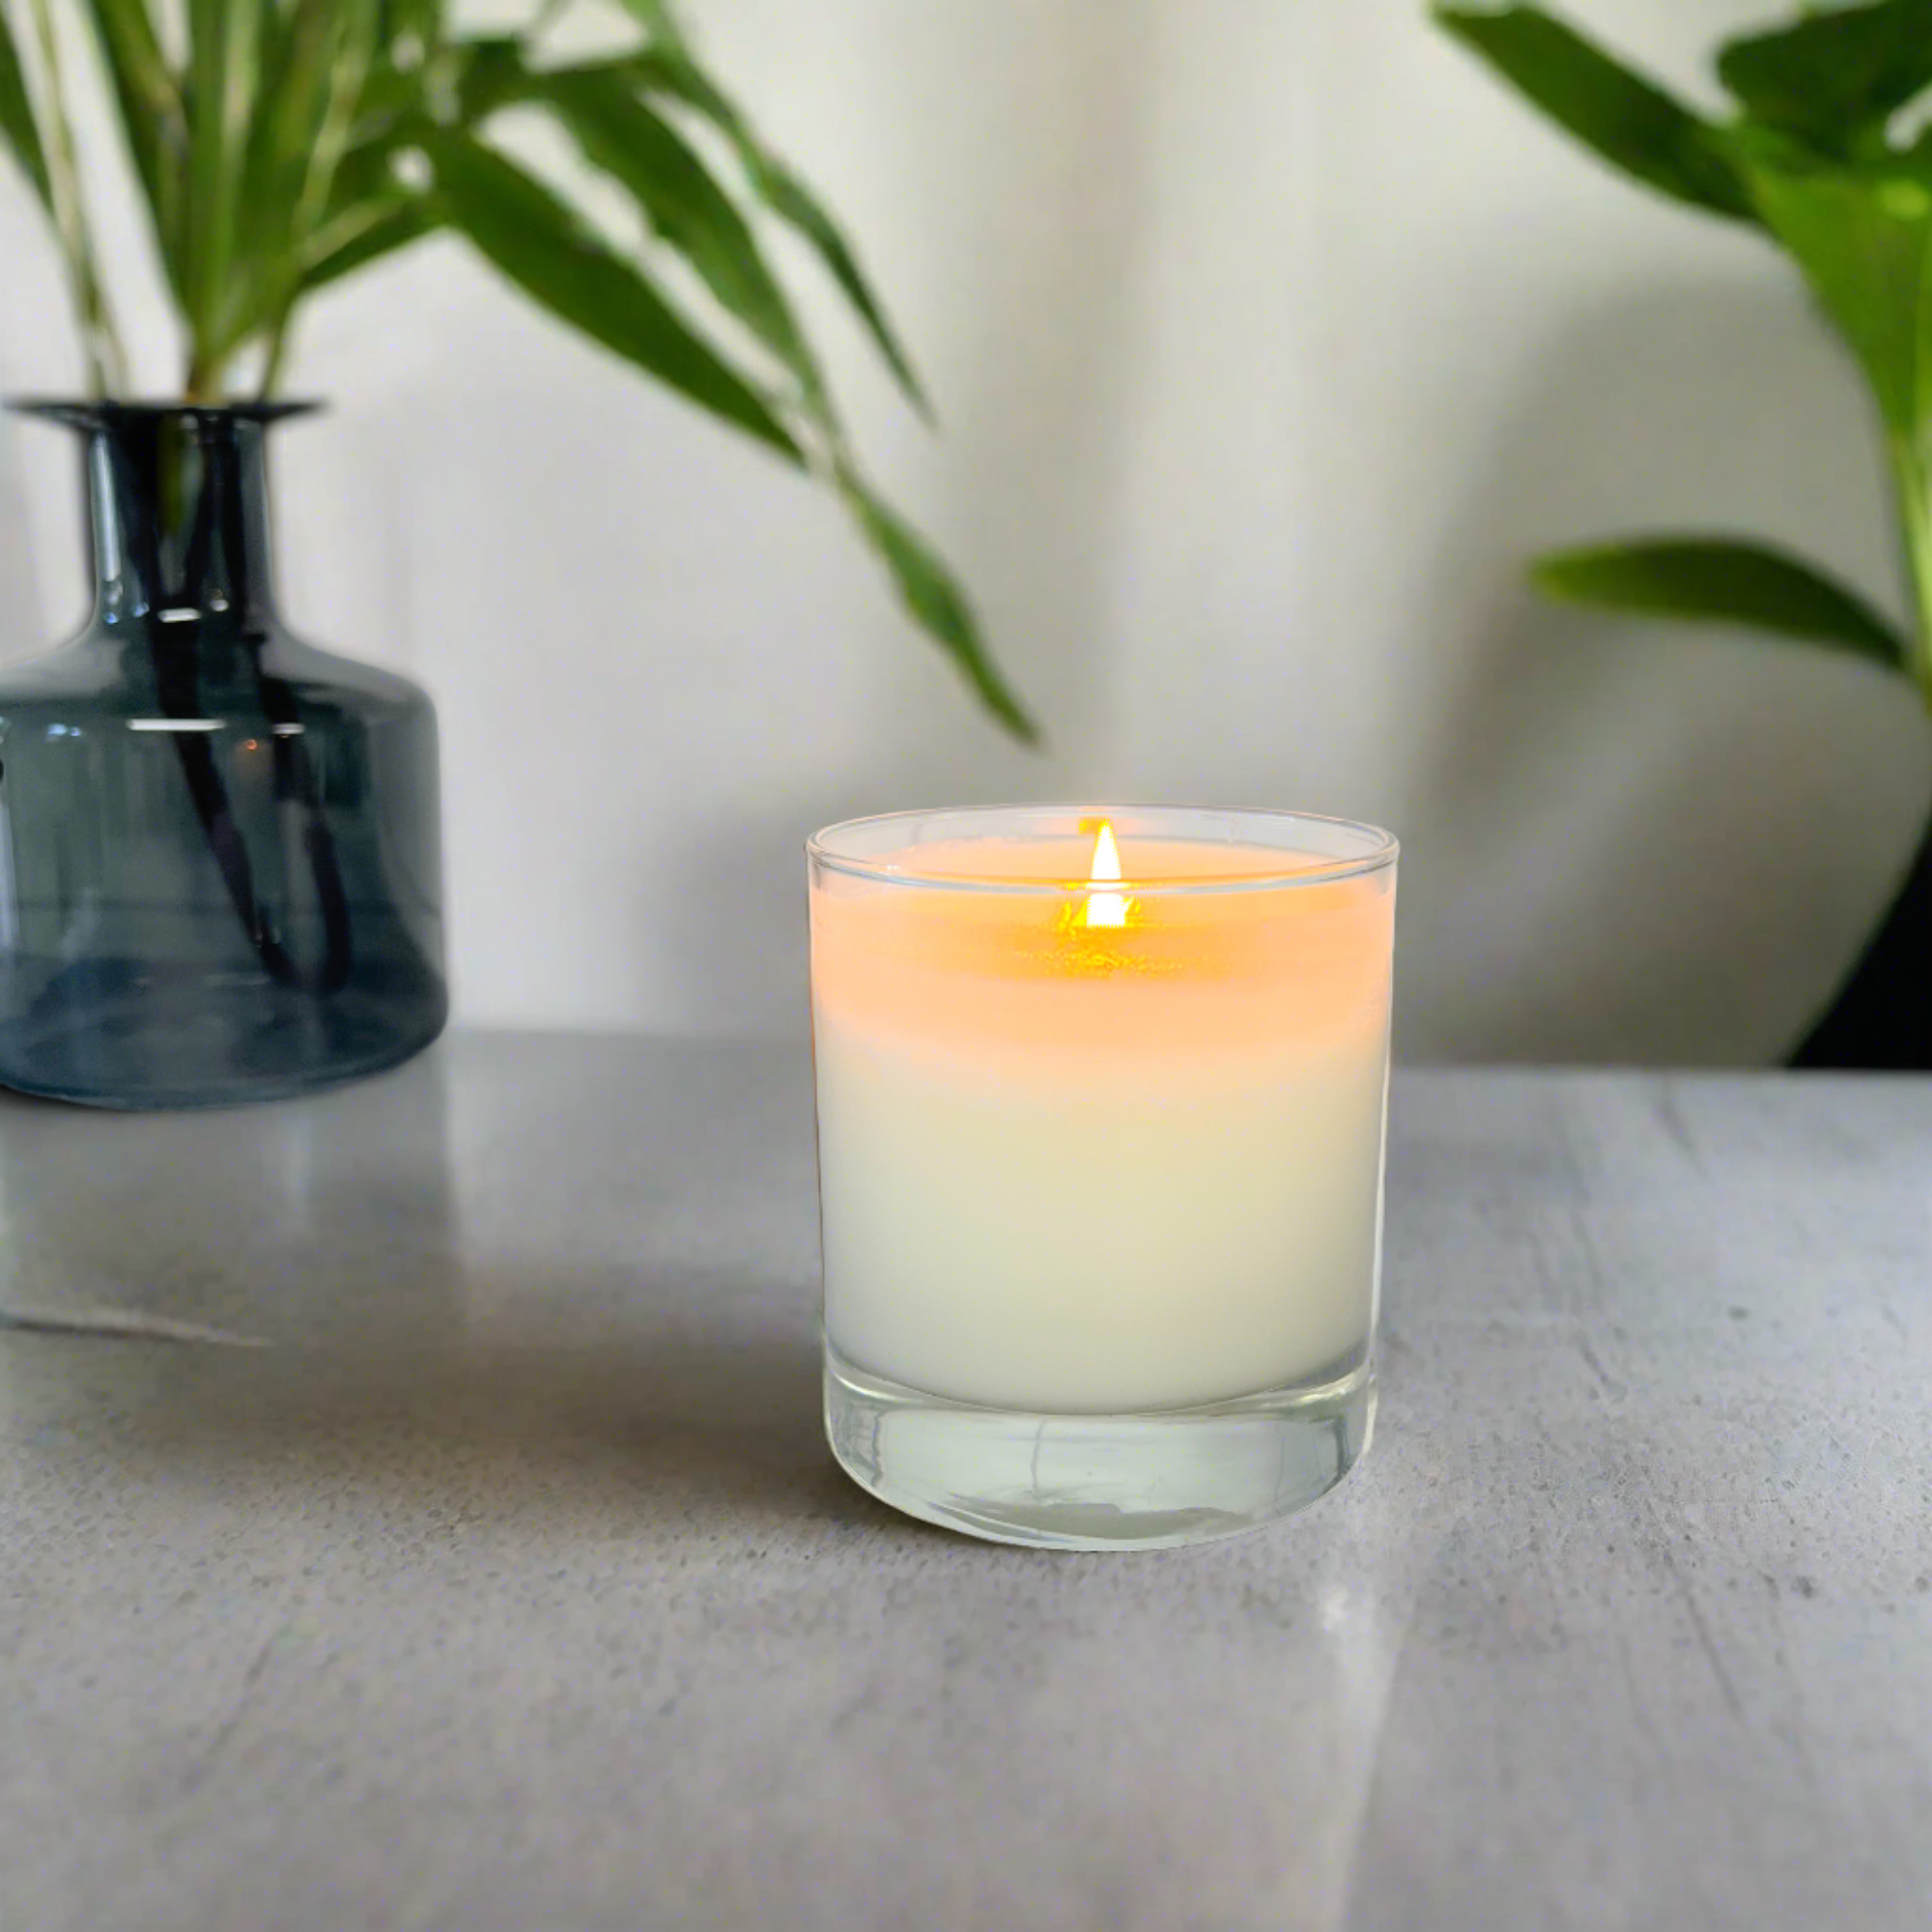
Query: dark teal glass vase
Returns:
{"type": "Point", "coordinates": [219, 848]}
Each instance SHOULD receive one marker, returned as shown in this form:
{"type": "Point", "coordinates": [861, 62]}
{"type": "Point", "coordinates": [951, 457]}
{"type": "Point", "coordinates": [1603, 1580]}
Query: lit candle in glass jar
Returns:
{"type": "Point", "coordinates": [1100, 1104]}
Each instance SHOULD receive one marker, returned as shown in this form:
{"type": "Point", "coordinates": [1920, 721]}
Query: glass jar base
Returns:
{"type": "Point", "coordinates": [135, 1035]}
{"type": "Point", "coordinates": [1145, 1481]}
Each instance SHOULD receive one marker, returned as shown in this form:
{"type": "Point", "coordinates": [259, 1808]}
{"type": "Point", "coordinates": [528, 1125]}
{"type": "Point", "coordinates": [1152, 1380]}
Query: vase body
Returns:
{"type": "Point", "coordinates": [1881, 1018]}
{"type": "Point", "coordinates": [219, 847]}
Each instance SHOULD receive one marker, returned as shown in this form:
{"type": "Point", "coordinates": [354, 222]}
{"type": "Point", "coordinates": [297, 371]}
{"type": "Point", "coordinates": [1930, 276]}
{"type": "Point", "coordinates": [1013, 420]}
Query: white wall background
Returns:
{"type": "Point", "coordinates": [1269, 338]}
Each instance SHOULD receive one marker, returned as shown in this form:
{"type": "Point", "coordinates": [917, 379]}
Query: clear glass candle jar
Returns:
{"type": "Point", "coordinates": [1101, 1098]}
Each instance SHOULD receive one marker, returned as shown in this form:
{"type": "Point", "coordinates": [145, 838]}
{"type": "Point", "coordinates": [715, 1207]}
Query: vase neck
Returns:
{"type": "Point", "coordinates": [179, 513]}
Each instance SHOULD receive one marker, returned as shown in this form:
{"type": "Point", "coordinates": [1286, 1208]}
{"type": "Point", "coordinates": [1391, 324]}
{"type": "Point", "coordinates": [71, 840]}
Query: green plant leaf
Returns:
{"type": "Point", "coordinates": [211, 208]}
{"type": "Point", "coordinates": [18, 126]}
{"type": "Point", "coordinates": [393, 92]}
{"type": "Point", "coordinates": [402, 21]}
{"type": "Point", "coordinates": [490, 73]}
{"type": "Point", "coordinates": [364, 234]}
{"type": "Point", "coordinates": [542, 247]}
{"type": "Point", "coordinates": [223, 81]}
{"type": "Point", "coordinates": [657, 20]}
{"type": "Point", "coordinates": [153, 120]}
{"type": "Point", "coordinates": [1863, 243]}
{"type": "Point", "coordinates": [1716, 581]}
{"type": "Point", "coordinates": [138, 67]}
{"type": "Point", "coordinates": [622, 135]}
{"type": "Point", "coordinates": [789, 199]}
{"type": "Point", "coordinates": [311, 126]}
{"type": "Point", "coordinates": [299, 65]}
{"type": "Point", "coordinates": [1832, 77]}
{"type": "Point", "coordinates": [928, 592]}
{"type": "Point", "coordinates": [367, 171]}
{"type": "Point", "coordinates": [1626, 119]}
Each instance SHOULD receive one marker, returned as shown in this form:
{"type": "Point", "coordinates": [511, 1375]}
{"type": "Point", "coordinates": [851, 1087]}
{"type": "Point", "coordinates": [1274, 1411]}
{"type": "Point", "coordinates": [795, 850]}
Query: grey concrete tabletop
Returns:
{"type": "Point", "coordinates": [413, 1514]}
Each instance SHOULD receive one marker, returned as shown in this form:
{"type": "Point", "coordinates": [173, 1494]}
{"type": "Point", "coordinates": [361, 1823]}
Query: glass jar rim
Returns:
{"type": "Point", "coordinates": [1380, 850]}
{"type": "Point", "coordinates": [99, 413]}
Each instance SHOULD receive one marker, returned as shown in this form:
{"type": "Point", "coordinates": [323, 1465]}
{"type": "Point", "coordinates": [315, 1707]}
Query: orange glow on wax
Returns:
{"type": "Point", "coordinates": [1220, 973]}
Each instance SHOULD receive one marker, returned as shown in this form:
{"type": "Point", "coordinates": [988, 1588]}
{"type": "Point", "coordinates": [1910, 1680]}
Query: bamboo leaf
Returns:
{"type": "Point", "coordinates": [626, 138]}
{"type": "Point", "coordinates": [936, 602]}
{"type": "Point", "coordinates": [307, 144]}
{"type": "Point", "coordinates": [367, 171]}
{"type": "Point", "coordinates": [224, 48]}
{"type": "Point", "coordinates": [133, 49]}
{"type": "Point", "coordinates": [392, 94]}
{"type": "Point", "coordinates": [18, 126]}
{"type": "Point", "coordinates": [67, 205]}
{"type": "Point", "coordinates": [1716, 581]}
{"type": "Point", "coordinates": [788, 197]}
{"type": "Point", "coordinates": [542, 247]}
{"type": "Point", "coordinates": [1626, 119]}
{"type": "Point", "coordinates": [153, 120]}
{"type": "Point", "coordinates": [791, 201]}
{"type": "Point", "coordinates": [622, 135]}
{"type": "Point", "coordinates": [1832, 77]}
{"type": "Point", "coordinates": [401, 21]}
{"type": "Point", "coordinates": [364, 235]}
{"type": "Point", "coordinates": [313, 133]}
{"type": "Point", "coordinates": [491, 74]}
{"type": "Point", "coordinates": [657, 20]}
{"type": "Point", "coordinates": [1864, 244]}
{"type": "Point", "coordinates": [297, 74]}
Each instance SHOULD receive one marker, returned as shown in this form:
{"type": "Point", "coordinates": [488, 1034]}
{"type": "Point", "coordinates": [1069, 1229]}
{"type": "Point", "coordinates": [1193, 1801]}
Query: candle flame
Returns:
{"type": "Point", "coordinates": [1106, 908]}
